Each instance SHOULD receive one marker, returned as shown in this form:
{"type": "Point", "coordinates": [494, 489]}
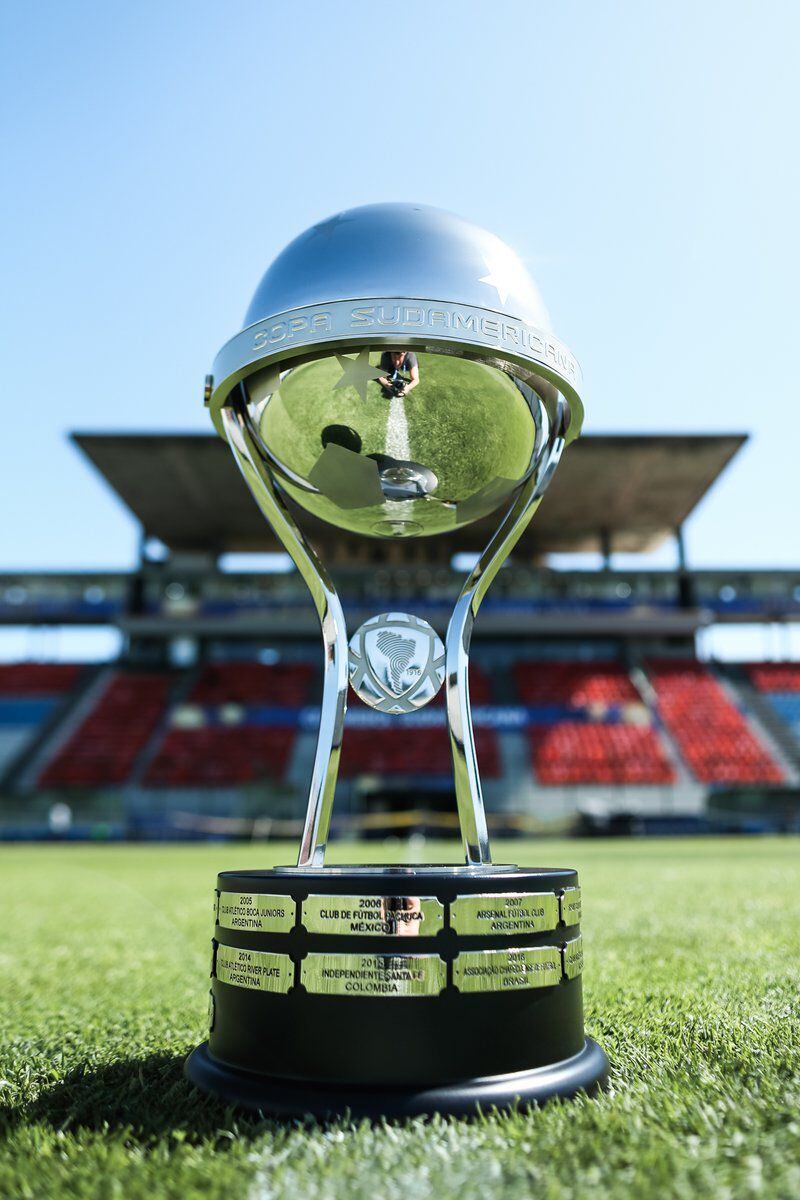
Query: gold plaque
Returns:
{"type": "Point", "coordinates": [373, 916]}
{"type": "Point", "coordinates": [374, 974]}
{"type": "Point", "coordinates": [256, 911]}
{"type": "Point", "coordinates": [573, 958]}
{"type": "Point", "coordinates": [258, 969]}
{"type": "Point", "coordinates": [505, 913]}
{"type": "Point", "coordinates": [507, 970]}
{"type": "Point", "coordinates": [571, 906]}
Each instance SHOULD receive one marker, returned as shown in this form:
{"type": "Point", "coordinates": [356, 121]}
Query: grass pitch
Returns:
{"type": "Point", "coordinates": [693, 959]}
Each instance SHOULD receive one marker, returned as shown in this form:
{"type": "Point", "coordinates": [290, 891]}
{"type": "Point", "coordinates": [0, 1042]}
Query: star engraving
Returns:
{"type": "Point", "coordinates": [506, 274]}
{"type": "Point", "coordinates": [357, 373]}
{"type": "Point", "coordinates": [326, 229]}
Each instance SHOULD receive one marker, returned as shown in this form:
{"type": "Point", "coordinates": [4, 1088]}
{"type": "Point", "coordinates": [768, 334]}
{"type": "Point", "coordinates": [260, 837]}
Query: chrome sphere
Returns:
{"type": "Point", "coordinates": [398, 371]}
{"type": "Point", "coordinates": [408, 250]}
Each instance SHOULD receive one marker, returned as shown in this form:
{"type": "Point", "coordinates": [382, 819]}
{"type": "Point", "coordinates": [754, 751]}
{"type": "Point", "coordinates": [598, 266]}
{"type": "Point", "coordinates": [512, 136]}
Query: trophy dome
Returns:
{"type": "Point", "coordinates": [398, 368]}
{"type": "Point", "coordinates": [409, 250]}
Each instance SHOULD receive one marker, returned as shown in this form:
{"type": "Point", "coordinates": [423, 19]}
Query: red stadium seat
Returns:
{"type": "Point", "coordinates": [37, 679]}
{"type": "Point", "coordinates": [400, 750]}
{"type": "Point", "coordinates": [480, 688]}
{"type": "Point", "coordinates": [218, 756]}
{"type": "Point", "coordinates": [775, 676]}
{"type": "Point", "coordinates": [575, 684]}
{"type": "Point", "coordinates": [713, 736]}
{"type": "Point", "coordinates": [104, 748]}
{"type": "Point", "coordinates": [575, 752]}
{"type": "Point", "coordinates": [226, 755]}
{"type": "Point", "coordinates": [404, 751]}
{"type": "Point", "coordinates": [567, 752]}
{"type": "Point", "coordinates": [253, 683]}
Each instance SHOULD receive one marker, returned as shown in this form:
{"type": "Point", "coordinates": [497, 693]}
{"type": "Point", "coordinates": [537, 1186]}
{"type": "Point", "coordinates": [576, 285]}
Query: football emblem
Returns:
{"type": "Point", "coordinates": [396, 662]}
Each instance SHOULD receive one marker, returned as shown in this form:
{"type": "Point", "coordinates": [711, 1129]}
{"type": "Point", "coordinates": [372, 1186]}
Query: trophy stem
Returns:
{"type": "Point", "coordinates": [329, 740]}
{"type": "Point", "coordinates": [469, 794]}
{"type": "Point", "coordinates": [334, 632]}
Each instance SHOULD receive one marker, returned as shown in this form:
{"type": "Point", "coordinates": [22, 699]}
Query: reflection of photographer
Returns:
{"type": "Point", "coordinates": [395, 382]}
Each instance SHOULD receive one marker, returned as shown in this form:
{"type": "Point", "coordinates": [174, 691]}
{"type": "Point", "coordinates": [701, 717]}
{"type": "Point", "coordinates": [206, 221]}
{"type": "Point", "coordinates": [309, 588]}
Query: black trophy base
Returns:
{"type": "Point", "coordinates": [288, 1100]}
{"type": "Point", "coordinates": [383, 991]}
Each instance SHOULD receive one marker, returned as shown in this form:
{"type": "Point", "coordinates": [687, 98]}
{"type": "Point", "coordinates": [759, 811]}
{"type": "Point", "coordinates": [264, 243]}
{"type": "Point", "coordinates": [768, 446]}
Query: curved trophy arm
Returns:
{"type": "Point", "coordinates": [334, 633]}
{"type": "Point", "coordinates": [469, 796]}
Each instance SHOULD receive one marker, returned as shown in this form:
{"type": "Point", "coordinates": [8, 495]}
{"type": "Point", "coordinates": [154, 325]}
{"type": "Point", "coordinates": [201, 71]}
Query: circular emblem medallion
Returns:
{"type": "Point", "coordinates": [396, 662]}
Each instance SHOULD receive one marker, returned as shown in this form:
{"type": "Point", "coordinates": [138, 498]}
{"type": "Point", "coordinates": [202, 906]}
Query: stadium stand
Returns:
{"type": "Point", "coordinates": [585, 724]}
{"type": "Point", "coordinates": [400, 750]}
{"type": "Point", "coordinates": [480, 687]}
{"type": "Point", "coordinates": [407, 751]}
{"type": "Point", "coordinates": [38, 679]}
{"type": "Point", "coordinates": [775, 677]}
{"type": "Point", "coordinates": [712, 734]}
{"type": "Point", "coordinates": [589, 725]}
{"type": "Point", "coordinates": [104, 748]}
{"type": "Point", "coordinates": [574, 752]}
{"type": "Point", "coordinates": [583, 710]}
{"type": "Point", "coordinates": [29, 694]}
{"type": "Point", "coordinates": [253, 683]}
{"type": "Point", "coordinates": [219, 755]}
{"type": "Point", "coordinates": [779, 683]}
{"type": "Point", "coordinates": [234, 738]}
{"type": "Point", "coordinates": [574, 684]}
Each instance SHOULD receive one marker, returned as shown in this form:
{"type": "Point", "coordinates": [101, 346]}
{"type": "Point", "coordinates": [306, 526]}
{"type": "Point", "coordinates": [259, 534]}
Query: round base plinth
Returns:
{"type": "Point", "coordinates": [396, 991]}
{"type": "Point", "coordinates": [286, 1099]}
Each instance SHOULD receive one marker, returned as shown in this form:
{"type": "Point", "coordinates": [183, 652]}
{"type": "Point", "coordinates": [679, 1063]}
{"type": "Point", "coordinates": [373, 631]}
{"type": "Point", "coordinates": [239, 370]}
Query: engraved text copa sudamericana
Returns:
{"type": "Point", "coordinates": [461, 322]}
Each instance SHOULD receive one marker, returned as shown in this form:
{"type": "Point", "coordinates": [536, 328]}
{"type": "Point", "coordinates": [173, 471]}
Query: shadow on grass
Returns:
{"type": "Point", "coordinates": [145, 1098]}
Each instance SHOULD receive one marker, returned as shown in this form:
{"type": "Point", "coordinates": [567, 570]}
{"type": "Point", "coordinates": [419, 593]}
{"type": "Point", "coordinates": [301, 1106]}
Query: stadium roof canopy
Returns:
{"type": "Point", "coordinates": [631, 489]}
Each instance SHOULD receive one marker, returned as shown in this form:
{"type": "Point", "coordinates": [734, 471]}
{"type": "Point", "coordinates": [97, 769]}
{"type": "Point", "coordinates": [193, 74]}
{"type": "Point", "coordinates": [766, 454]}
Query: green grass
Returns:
{"type": "Point", "coordinates": [693, 953]}
{"type": "Point", "coordinates": [466, 421]}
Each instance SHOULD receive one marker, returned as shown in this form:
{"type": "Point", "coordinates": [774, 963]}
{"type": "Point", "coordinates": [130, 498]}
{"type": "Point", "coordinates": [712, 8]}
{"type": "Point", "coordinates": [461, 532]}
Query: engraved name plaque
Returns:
{"type": "Point", "coordinates": [573, 958]}
{"type": "Point", "coordinates": [505, 913]}
{"type": "Point", "coordinates": [257, 969]}
{"type": "Point", "coordinates": [374, 974]}
{"type": "Point", "coordinates": [571, 906]}
{"type": "Point", "coordinates": [256, 911]}
{"type": "Point", "coordinates": [507, 970]}
{"type": "Point", "coordinates": [375, 916]}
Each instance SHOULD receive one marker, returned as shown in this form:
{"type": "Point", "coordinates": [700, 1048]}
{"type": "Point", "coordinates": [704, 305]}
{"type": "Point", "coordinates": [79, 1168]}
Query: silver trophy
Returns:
{"type": "Point", "coordinates": [396, 377]}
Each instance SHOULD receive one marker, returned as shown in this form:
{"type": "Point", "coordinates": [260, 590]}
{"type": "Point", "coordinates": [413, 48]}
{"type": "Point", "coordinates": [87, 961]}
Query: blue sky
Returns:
{"type": "Point", "coordinates": [641, 157]}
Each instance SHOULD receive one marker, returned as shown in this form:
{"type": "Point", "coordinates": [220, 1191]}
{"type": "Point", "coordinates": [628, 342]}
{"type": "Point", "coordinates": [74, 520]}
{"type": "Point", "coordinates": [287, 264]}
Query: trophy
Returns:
{"type": "Point", "coordinates": [396, 377]}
